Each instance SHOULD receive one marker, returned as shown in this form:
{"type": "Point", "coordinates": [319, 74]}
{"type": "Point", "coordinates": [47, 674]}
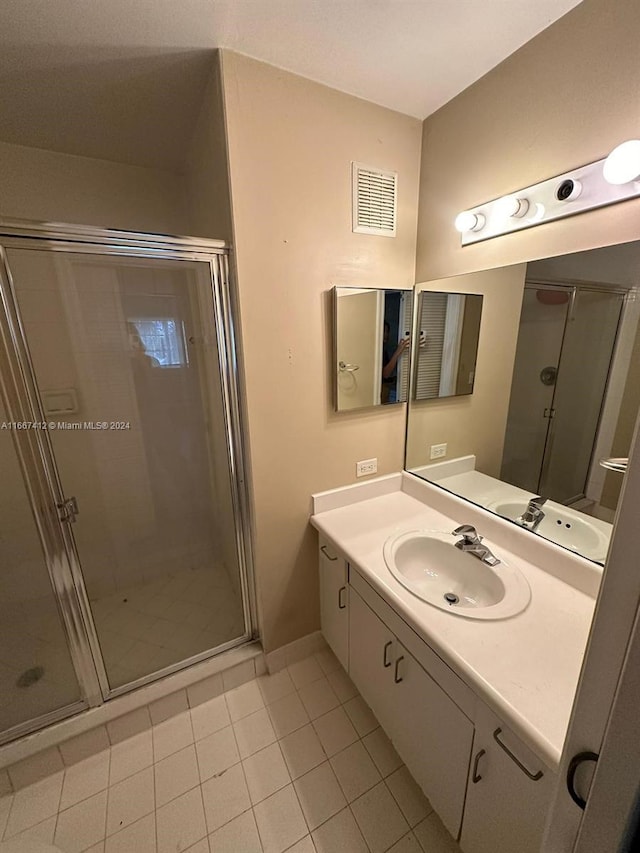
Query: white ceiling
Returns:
{"type": "Point", "coordinates": [72, 70]}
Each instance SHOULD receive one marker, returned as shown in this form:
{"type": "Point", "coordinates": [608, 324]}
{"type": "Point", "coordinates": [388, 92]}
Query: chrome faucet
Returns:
{"type": "Point", "coordinates": [471, 542]}
{"type": "Point", "coordinates": [533, 514]}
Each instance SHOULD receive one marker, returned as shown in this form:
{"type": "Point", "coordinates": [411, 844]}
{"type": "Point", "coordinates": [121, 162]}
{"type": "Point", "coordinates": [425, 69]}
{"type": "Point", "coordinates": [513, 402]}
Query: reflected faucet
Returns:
{"type": "Point", "coordinates": [533, 514]}
{"type": "Point", "coordinates": [471, 543]}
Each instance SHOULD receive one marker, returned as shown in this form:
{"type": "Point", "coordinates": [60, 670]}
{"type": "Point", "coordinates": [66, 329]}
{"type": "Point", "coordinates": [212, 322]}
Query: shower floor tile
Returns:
{"type": "Point", "coordinates": [321, 813]}
{"type": "Point", "coordinates": [141, 630]}
{"type": "Point", "coordinates": [144, 628]}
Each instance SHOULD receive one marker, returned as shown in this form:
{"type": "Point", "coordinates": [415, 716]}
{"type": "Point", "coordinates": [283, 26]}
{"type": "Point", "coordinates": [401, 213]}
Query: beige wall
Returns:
{"type": "Point", "coordinates": [49, 186]}
{"type": "Point", "coordinates": [206, 168]}
{"type": "Point", "coordinates": [564, 99]}
{"type": "Point", "coordinates": [475, 423]}
{"type": "Point", "coordinates": [291, 143]}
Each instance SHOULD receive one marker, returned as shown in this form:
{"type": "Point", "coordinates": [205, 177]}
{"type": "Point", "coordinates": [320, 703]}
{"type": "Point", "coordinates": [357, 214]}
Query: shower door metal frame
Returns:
{"type": "Point", "coordinates": [38, 460]}
{"type": "Point", "coordinates": [572, 286]}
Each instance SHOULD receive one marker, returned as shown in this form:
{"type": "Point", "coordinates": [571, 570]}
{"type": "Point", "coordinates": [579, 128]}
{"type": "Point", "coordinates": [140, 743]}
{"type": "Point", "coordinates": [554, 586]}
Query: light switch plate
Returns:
{"type": "Point", "coordinates": [438, 451]}
{"type": "Point", "coordinates": [366, 467]}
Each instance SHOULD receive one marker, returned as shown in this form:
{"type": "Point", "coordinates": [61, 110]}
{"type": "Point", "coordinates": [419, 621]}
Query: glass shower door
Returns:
{"type": "Point", "coordinates": [37, 676]}
{"type": "Point", "coordinates": [126, 362]}
{"type": "Point", "coordinates": [587, 351]}
{"type": "Point", "coordinates": [542, 324]}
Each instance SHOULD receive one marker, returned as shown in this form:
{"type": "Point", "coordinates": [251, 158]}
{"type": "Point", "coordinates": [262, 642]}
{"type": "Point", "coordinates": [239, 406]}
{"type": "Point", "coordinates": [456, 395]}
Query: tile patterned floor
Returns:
{"type": "Point", "coordinates": [289, 762]}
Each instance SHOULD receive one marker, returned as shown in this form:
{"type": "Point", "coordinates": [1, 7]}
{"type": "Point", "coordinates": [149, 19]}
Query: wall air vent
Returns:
{"type": "Point", "coordinates": [374, 200]}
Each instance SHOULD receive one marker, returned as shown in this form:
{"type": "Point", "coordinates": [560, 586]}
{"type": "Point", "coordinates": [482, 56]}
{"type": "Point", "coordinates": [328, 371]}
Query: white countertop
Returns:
{"type": "Point", "coordinates": [526, 667]}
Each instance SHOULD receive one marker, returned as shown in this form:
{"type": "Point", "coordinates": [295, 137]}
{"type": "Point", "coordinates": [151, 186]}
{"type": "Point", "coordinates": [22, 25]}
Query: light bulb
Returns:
{"type": "Point", "coordinates": [510, 205]}
{"type": "Point", "coordinates": [538, 213]}
{"type": "Point", "coordinates": [468, 221]}
{"type": "Point", "coordinates": [623, 164]}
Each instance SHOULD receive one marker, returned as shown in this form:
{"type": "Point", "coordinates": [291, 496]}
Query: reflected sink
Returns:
{"type": "Point", "coordinates": [563, 526]}
{"type": "Point", "coordinates": [429, 565]}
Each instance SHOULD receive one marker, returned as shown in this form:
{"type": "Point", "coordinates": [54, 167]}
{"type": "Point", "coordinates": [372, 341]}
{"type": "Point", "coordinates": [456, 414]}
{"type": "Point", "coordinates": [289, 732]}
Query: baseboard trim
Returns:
{"type": "Point", "coordinates": [295, 651]}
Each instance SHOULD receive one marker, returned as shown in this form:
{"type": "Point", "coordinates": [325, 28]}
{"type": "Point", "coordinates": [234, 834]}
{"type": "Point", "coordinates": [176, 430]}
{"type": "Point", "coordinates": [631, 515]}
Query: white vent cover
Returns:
{"type": "Point", "coordinates": [374, 200]}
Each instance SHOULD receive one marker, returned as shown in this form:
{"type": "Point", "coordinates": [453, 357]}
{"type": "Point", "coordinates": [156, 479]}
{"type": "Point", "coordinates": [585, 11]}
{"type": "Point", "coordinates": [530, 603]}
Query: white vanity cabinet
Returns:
{"type": "Point", "coordinates": [483, 782]}
{"type": "Point", "coordinates": [431, 734]}
{"type": "Point", "coordinates": [509, 792]}
{"type": "Point", "coordinates": [334, 601]}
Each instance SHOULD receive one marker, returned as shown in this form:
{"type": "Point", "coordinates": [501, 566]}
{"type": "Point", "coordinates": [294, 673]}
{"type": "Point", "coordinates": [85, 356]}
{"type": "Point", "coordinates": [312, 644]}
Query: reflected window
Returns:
{"type": "Point", "coordinates": [162, 339]}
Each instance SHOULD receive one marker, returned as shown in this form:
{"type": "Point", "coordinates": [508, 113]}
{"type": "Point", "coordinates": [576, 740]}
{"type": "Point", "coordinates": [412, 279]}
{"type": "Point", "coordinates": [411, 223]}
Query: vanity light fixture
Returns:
{"type": "Point", "coordinates": [468, 221]}
{"type": "Point", "coordinates": [604, 182]}
{"type": "Point", "coordinates": [622, 166]}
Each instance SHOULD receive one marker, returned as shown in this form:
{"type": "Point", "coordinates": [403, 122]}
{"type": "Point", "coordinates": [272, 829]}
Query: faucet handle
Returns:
{"type": "Point", "coordinates": [468, 532]}
{"type": "Point", "coordinates": [538, 501]}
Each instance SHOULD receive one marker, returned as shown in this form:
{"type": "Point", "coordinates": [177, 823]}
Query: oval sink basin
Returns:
{"type": "Point", "coordinates": [562, 526]}
{"type": "Point", "coordinates": [430, 566]}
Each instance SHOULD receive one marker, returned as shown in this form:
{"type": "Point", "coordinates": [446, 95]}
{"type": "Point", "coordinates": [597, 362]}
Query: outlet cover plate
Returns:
{"type": "Point", "coordinates": [438, 451]}
{"type": "Point", "coordinates": [366, 467]}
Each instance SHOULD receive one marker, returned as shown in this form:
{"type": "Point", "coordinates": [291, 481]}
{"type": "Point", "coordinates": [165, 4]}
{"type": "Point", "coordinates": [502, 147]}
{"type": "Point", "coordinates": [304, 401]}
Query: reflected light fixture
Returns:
{"type": "Point", "coordinates": [510, 205]}
{"type": "Point", "coordinates": [622, 166]}
{"type": "Point", "coordinates": [468, 221]}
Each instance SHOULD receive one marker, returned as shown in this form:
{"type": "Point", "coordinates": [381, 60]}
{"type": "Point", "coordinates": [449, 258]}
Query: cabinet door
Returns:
{"type": "Point", "coordinates": [433, 737]}
{"type": "Point", "coordinates": [334, 602]}
{"type": "Point", "coordinates": [505, 808]}
{"type": "Point", "coordinates": [371, 656]}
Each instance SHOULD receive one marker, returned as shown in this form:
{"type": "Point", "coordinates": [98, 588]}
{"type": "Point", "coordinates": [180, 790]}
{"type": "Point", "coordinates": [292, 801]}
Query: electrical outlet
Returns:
{"type": "Point", "coordinates": [366, 467]}
{"type": "Point", "coordinates": [438, 451]}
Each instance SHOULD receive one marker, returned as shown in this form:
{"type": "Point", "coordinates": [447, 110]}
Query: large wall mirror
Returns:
{"type": "Point", "coordinates": [372, 345]}
{"type": "Point", "coordinates": [557, 390]}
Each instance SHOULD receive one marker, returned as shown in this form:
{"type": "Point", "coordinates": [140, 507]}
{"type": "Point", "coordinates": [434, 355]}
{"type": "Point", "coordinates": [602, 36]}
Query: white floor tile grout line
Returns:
{"type": "Point", "coordinates": [155, 793]}
{"type": "Point", "coordinates": [204, 811]}
{"type": "Point", "coordinates": [291, 781]}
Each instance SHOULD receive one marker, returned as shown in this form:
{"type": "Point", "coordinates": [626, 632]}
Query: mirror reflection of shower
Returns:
{"type": "Point", "coordinates": [565, 348]}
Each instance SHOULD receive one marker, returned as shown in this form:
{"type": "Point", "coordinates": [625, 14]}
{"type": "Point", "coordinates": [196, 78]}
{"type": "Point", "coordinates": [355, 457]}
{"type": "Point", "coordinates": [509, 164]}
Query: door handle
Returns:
{"type": "Point", "coordinates": [323, 548]}
{"type": "Point", "coordinates": [68, 510]}
{"type": "Point", "coordinates": [533, 776]}
{"type": "Point", "coordinates": [387, 646]}
{"type": "Point", "coordinates": [397, 679]}
{"type": "Point", "coordinates": [475, 776]}
{"type": "Point", "coordinates": [340, 591]}
{"type": "Point", "coordinates": [575, 762]}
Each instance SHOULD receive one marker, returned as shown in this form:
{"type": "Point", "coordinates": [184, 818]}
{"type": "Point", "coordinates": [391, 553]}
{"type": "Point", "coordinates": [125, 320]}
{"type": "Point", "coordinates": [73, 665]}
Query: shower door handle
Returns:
{"type": "Point", "coordinates": [68, 510]}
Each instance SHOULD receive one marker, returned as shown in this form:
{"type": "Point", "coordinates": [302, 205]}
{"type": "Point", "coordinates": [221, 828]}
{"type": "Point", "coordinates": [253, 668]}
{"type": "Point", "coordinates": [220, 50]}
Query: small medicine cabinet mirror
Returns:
{"type": "Point", "coordinates": [447, 346]}
{"type": "Point", "coordinates": [372, 336]}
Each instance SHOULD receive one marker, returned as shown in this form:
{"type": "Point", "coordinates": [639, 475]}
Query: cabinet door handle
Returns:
{"type": "Point", "coordinates": [324, 550]}
{"type": "Point", "coordinates": [533, 776]}
{"type": "Point", "coordinates": [340, 591]}
{"type": "Point", "coordinates": [396, 677]}
{"type": "Point", "coordinates": [475, 776]}
{"type": "Point", "coordinates": [387, 646]}
{"type": "Point", "coordinates": [575, 762]}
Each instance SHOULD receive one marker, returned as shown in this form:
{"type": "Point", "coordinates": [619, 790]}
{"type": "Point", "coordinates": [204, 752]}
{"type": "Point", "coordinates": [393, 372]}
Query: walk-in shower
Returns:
{"type": "Point", "coordinates": [124, 547]}
{"type": "Point", "coordinates": [566, 343]}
